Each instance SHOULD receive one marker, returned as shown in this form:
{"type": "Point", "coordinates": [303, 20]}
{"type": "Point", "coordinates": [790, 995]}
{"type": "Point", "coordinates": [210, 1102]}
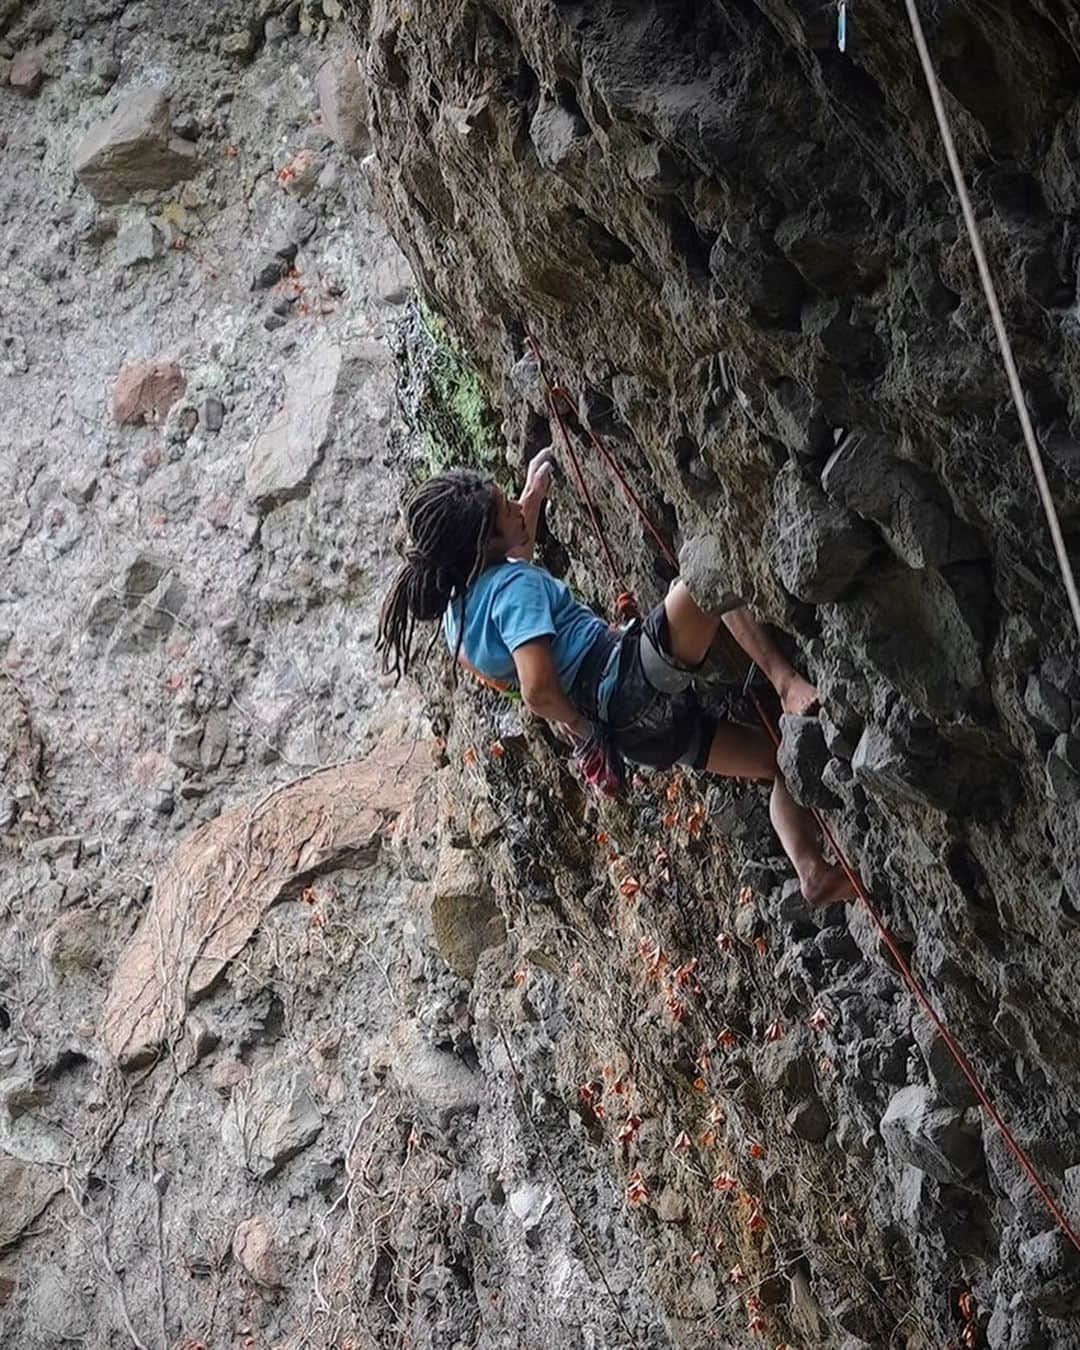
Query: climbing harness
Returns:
{"type": "Point", "coordinates": [554, 392]}
{"type": "Point", "coordinates": [990, 291]}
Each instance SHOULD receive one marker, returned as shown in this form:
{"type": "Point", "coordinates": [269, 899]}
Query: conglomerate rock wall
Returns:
{"type": "Point", "coordinates": [310, 1037]}
{"type": "Point", "coordinates": [252, 1093]}
{"type": "Point", "coordinates": [740, 249]}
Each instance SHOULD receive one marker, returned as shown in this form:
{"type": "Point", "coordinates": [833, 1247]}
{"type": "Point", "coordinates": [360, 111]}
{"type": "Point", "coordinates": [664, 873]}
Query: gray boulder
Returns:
{"type": "Point", "coordinates": [25, 1189]}
{"type": "Point", "coordinates": [440, 1085]}
{"type": "Point", "coordinates": [1063, 770]}
{"type": "Point", "coordinates": [464, 917]}
{"type": "Point", "coordinates": [945, 1074]}
{"type": "Point", "coordinates": [884, 765]}
{"type": "Point", "coordinates": [1048, 1254]}
{"type": "Point", "coordinates": [1050, 1266]}
{"type": "Point", "coordinates": [938, 1140]}
{"type": "Point", "coordinates": [865, 475]}
{"type": "Point", "coordinates": [134, 151]}
{"type": "Point", "coordinates": [817, 547]}
{"type": "Point", "coordinates": [798, 418]}
{"type": "Point", "coordinates": [784, 1065]}
{"type": "Point", "coordinates": [556, 133]}
{"type": "Point", "coordinates": [1015, 1326]}
{"type": "Point", "coordinates": [802, 757]}
{"type": "Point", "coordinates": [284, 457]}
{"type": "Point", "coordinates": [921, 632]}
{"type": "Point", "coordinates": [271, 1118]}
{"type": "Point", "coordinates": [153, 619]}
{"type": "Point", "coordinates": [212, 413]}
{"type": "Point", "coordinates": [705, 567]}
{"type": "Point", "coordinates": [139, 241]}
{"type": "Point", "coordinates": [841, 735]}
{"type": "Point", "coordinates": [142, 607]}
{"type": "Point", "coordinates": [858, 474]}
{"type": "Point", "coordinates": [809, 1120]}
{"type": "Point", "coordinates": [1046, 704]}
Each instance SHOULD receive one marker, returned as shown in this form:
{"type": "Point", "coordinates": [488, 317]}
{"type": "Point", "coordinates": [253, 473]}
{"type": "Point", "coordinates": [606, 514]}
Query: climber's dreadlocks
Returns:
{"type": "Point", "coordinates": [449, 519]}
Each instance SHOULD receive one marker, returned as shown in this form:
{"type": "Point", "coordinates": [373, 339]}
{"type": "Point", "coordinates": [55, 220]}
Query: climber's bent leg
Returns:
{"type": "Point", "coordinates": [690, 629]}
{"type": "Point", "coordinates": [743, 752]}
{"type": "Point", "coordinates": [690, 634]}
{"type": "Point", "coordinates": [821, 883]}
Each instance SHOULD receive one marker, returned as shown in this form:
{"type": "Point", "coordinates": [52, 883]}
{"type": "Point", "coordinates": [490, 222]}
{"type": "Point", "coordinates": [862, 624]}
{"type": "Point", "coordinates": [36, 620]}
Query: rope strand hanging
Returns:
{"type": "Point", "coordinates": [990, 291]}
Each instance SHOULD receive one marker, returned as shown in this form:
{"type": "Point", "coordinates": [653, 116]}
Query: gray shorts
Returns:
{"type": "Point", "coordinates": [654, 715]}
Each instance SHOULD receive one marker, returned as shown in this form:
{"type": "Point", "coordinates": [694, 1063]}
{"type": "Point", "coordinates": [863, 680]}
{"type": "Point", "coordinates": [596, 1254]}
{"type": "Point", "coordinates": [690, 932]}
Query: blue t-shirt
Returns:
{"type": "Point", "coordinates": [512, 603]}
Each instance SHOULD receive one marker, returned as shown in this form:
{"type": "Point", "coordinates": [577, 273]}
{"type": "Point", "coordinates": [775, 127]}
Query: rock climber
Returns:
{"type": "Point", "coordinates": [617, 693]}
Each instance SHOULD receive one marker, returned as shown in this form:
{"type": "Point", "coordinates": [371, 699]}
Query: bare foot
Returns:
{"type": "Point", "coordinates": [827, 886]}
{"type": "Point", "coordinates": [799, 697]}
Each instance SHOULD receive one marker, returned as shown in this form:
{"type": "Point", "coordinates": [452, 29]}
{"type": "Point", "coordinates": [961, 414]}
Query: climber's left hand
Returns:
{"type": "Point", "coordinates": [539, 475]}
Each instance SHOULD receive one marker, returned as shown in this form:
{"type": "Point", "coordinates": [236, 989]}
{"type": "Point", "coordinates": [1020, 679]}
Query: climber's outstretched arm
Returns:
{"type": "Point", "coordinates": [542, 690]}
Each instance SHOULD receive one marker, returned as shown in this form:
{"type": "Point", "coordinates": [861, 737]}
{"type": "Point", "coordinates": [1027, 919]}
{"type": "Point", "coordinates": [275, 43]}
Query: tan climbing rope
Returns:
{"type": "Point", "coordinates": [990, 291]}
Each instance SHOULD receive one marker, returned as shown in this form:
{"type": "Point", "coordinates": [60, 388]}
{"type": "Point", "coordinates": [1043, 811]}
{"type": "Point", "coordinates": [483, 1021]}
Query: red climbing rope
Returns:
{"type": "Point", "coordinates": [582, 485]}
{"type": "Point", "coordinates": [626, 605]}
{"type": "Point", "coordinates": [951, 1043]}
{"type": "Point", "coordinates": [943, 1031]}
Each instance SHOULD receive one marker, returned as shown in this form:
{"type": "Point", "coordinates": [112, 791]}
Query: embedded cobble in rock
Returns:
{"type": "Point", "coordinates": [286, 455]}
{"type": "Point", "coordinates": [138, 241]}
{"type": "Point", "coordinates": [343, 103]}
{"type": "Point", "coordinates": [801, 758]}
{"type": "Point", "coordinates": [253, 1247]}
{"type": "Point", "coordinates": [271, 1119]}
{"type": "Point", "coordinates": [818, 549]}
{"type": "Point", "coordinates": [27, 1188]}
{"type": "Point", "coordinates": [936, 1139]}
{"type": "Point", "coordinates": [703, 566]}
{"type": "Point", "coordinates": [27, 73]}
{"type": "Point", "coordinates": [133, 151]}
{"type": "Point", "coordinates": [145, 393]}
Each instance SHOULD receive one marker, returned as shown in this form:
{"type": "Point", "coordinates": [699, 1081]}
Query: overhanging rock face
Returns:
{"type": "Point", "coordinates": [737, 245]}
